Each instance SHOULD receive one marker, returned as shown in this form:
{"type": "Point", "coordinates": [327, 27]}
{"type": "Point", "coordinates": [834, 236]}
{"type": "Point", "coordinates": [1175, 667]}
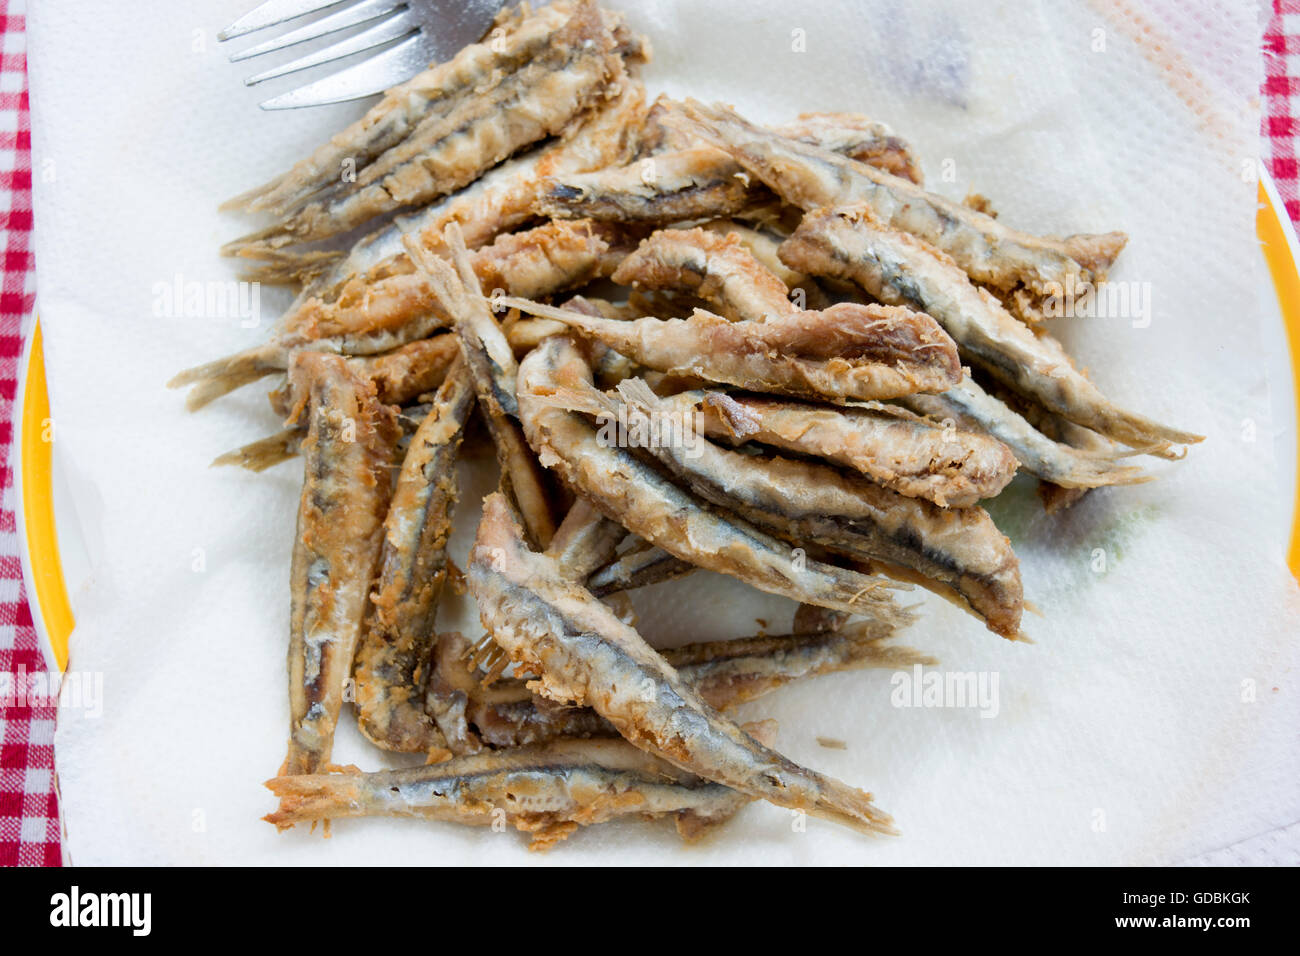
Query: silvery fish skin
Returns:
{"type": "Point", "coordinates": [959, 549]}
{"type": "Point", "coordinates": [585, 540]}
{"type": "Point", "coordinates": [851, 243]}
{"type": "Point", "coordinates": [696, 183]}
{"type": "Point", "coordinates": [717, 269]}
{"type": "Point", "coordinates": [1052, 461]}
{"type": "Point", "coordinates": [390, 669]}
{"type": "Point", "coordinates": [582, 653]}
{"type": "Point", "coordinates": [811, 177]}
{"type": "Point", "coordinates": [641, 499]}
{"type": "Point", "coordinates": [493, 368]}
{"type": "Point", "coordinates": [515, 38]}
{"type": "Point", "coordinates": [546, 791]}
{"type": "Point", "coordinates": [907, 453]}
{"type": "Point", "coordinates": [849, 351]}
{"type": "Point", "coordinates": [702, 182]}
{"type": "Point", "coordinates": [589, 32]}
{"type": "Point", "coordinates": [637, 568]}
{"type": "Point", "coordinates": [572, 72]}
{"type": "Point", "coordinates": [349, 451]}
{"type": "Point", "coordinates": [725, 673]}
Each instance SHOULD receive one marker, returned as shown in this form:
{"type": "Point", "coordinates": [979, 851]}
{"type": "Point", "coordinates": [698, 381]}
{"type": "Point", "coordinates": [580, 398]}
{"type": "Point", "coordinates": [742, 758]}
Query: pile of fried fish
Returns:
{"type": "Point", "coordinates": [817, 367]}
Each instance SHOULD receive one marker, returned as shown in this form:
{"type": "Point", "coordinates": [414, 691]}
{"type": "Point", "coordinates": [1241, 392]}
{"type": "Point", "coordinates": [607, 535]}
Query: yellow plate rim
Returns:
{"type": "Point", "coordinates": [37, 532]}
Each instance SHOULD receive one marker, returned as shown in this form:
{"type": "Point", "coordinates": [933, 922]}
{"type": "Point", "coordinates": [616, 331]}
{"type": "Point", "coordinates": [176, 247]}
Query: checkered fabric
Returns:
{"type": "Point", "coordinates": [29, 814]}
{"type": "Point", "coordinates": [1282, 101]}
{"type": "Point", "coordinates": [29, 808]}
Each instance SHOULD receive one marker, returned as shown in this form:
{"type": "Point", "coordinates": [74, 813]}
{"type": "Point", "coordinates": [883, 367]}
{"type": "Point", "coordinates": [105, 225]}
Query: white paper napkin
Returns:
{"type": "Point", "coordinates": [1153, 719]}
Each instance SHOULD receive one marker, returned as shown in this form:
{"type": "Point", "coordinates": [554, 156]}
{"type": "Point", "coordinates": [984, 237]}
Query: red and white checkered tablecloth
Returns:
{"type": "Point", "coordinates": [29, 814]}
{"type": "Point", "coordinates": [29, 809]}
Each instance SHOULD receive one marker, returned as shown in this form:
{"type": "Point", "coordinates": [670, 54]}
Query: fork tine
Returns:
{"type": "Point", "coordinates": [393, 28]}
{"type": "Point", "coordinates": [270, 13]}
{"type": "Point", "coordinates": [371, 76]}
{"type": "Point", "coordinates": [347, 17]}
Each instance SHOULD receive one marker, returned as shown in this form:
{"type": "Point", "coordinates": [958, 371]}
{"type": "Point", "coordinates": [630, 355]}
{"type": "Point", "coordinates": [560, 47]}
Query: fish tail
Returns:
{"type": "Point", "coordinates": [852, 807]}
{"type": "Point", "coordinates": [311, 797]}
{"type": "Point", "coordinates": [263, 197]}
{"type": "Point", "coordinates": [218, 378]}
{"type": "Point", "coordinates": [265, 452]}
{"type": "Point", "coordinates": [1150, 437]}
{"type": "Point", "coordinates": [262, 244]}
{"type": "Point", "coordinates": [1096, 253]}
{"type": "Point", "coordinates": [1104, 472]}
{"type": "Point", "coordinates": [872, 596]}
{"type": "Point", "coordinates": [280, 267]}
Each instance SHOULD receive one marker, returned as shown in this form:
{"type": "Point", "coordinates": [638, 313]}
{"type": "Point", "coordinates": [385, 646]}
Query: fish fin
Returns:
{"type": "Point", "coordinates": [287, 268]}
{"type": "Point", "coordinates": [1096, 253]}
{"type": "Point", "coordinates": [854, 808]}
{"type": "Point", "coordinates": [214, 379]}
{"type": "Point", "coordinates": [264, 453]}
{"type": "Point", "coordinates": [545, 837]}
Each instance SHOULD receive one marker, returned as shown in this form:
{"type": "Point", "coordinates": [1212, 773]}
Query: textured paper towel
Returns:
{"type": "Point", "coordinates": [1128, 733]}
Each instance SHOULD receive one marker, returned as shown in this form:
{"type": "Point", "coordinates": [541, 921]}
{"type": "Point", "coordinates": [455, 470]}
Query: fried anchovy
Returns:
{"type": "Point", "coordinates": [811, 177]}
{"type": "Point", "coordinates": [845, 352]}
{"type": "Point", "coordinates": [515, 39]}
{"type": "Point", "coordinates": [850, 243]}
{"type": "Point", "coordinates": [499, 201]}
{"type": "Point", "coordinates": [349, 449]}
{"type": "Point", "coordinates": [726, 674]}
{"type": "Point", "coordinates": [702, 182]}
{"type": "Point", "coordinates": [914, 456]}
{"type": "Point", "coordinates": [493, 368]}
{"type": "Point", "coordinates": [717, 269]}
{"type": "Point", "coordinates": [640, 498]}
{"type": "Point", "coordinates": [390, 670]}
{"type": "Point", "coordinates": [582, 653]}
{"type": "Point", "coordinates": [546, 791]}
{"type": "Point", "coordinates": [972, 407]}
{"type": "Point", "coordinates": [579, 65]}
{"type": "Point", "coordinates": [957, 552]}
{"type": "Point", "coordinates": [588, 32]}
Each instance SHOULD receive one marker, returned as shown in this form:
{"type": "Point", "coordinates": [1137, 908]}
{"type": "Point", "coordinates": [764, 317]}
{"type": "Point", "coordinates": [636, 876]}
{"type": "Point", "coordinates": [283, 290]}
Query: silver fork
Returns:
{"type": "Point", "coordinates": [428, 30]}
